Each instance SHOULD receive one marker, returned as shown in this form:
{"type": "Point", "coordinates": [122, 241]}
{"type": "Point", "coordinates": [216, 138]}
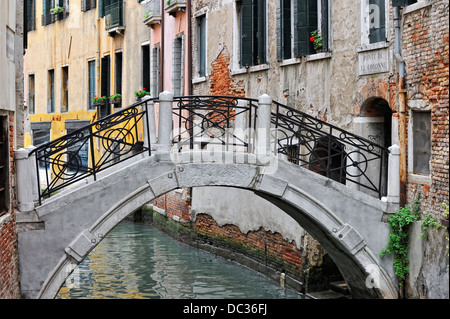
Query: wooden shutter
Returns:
{"type": "Point", "coordinates": [325, 24]}
{"type": "Point", "coordinates": [378, 32]}
{"type": "Point", "coordinates": [260, 7]}
{"type": "Point", "coordinates": [279, 30]}
{"type": "Point", "coordinates": [301, 34]}
{"type": "Point", "coordinates": [246, 33]}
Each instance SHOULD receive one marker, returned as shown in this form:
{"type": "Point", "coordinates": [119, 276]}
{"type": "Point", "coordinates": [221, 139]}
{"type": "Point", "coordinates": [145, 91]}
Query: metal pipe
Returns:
{"type": "Point", "coordinates": [402, 116]}
{"type": "Point", "coordinates": [402, 105]}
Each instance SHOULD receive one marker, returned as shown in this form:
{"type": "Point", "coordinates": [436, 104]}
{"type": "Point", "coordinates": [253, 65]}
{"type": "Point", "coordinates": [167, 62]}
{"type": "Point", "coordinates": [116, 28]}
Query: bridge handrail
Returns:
{"type": "Point", "coordinates": [64, 166]}
{"type": "Point", "coordinates": [302, 138]}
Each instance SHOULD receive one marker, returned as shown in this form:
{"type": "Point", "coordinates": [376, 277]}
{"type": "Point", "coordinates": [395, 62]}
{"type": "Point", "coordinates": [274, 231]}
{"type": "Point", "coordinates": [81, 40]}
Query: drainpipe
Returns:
{"type": "Point", "coordinates": [161, 88]}
{"type": "Point", "coordinates": [189, 53]}
{"type": "Point", "coordinates": [402, 116]}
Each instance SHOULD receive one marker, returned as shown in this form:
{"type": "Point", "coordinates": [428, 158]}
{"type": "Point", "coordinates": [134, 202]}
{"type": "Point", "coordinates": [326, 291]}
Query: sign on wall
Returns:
{"type": "Point", "coordinates": [372, 62]}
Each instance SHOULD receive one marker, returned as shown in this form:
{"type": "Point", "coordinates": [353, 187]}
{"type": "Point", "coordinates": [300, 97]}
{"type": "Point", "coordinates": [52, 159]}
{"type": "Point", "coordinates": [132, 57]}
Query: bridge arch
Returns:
{"type": "Point", "coordinates": [295, 190]}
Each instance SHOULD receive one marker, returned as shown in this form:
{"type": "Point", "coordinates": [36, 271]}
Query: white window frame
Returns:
{"type": "Point", "coordinates": [416, 106]}
{"type": "Point", "coordinates": [196, 78]}
{"type": "Point", "coordinates": [365, 20]}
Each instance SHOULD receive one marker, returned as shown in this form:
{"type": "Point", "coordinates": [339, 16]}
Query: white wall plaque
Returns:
{"type": "Point", "coordinates": [372, 62]}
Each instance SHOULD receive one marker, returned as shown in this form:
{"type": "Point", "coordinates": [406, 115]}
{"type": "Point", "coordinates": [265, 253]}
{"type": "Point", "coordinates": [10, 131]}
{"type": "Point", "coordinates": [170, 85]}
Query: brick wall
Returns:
{"type": "Point", "coordinates": [175, 203]}
{"type": "Point", "coordinates": [267, 247]}
{"type": "Point", "coordinates": [426, 50]}
{"type": "Point", "coordinates": [9, 283]}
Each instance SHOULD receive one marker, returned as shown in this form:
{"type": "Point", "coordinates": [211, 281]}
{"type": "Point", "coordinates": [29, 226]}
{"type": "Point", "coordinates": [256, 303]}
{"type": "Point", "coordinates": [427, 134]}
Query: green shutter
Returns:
{"type": "Point", "coordinates": [377, 31]}
{"type": "Point", "coordinates": [246, 33]}
{"type": "Point", "coordinates": [301, 34]}
{"type": "Point", "coordinates": [402, 3]}
{"type": "Point", "coordinates": [260, 7]}
{"type": "Point", "coordinates": [101, 8]}
{"type": "Point", "coordinates": [279, 31]}
{"type": "Point", "coordinates": [325, 24]}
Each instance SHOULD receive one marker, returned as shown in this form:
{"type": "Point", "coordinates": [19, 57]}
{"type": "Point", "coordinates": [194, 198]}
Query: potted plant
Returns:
{"type": "Point", "coordinates": [317, 40]}
{"type": "Point", "coordinates": [116, 99]}
{"type": "Point", "coordinates": [99, 100]}
{"type": "Point", "coordinates": [58, 12]}
{"type": "Point", "coordinates": [141, 93]}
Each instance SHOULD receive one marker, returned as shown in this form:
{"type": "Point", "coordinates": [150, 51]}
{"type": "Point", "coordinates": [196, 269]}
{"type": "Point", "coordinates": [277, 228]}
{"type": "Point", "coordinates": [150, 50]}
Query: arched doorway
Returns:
{"type": "Point", "coordinates": [375, 124]}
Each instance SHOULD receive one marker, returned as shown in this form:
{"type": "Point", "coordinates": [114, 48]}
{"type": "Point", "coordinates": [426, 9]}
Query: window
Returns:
{"type": "Point", "coordinates": [374, 21]}
{"type": "Point", "coordinates": [105, 85]}
{"type": "Point", "coordinates": [31, 15]}
{"type": "Point", "coordinates": [252, 23]}
{"type": "Point", "coordinates": [41, 135]}
{"type": "Point", "coordinates": [402, 3]}
{"type": "Point", "coordinates": [146, 67]}
{"type": "Point", "coordinates": [421, 142]}
{"type": "Point", "coordinates": [201, 45]}
{"type": "Point", "coordinates": [51, 92]}
{"type": "Point", "coordinates": [156, 71]}
{"type": "Point", "coordinates": [4, 165]}
{"type": "Point", "coordinates": [91, 79]}
{"type": "Point", "coordinates": [119, 64]}
{"type": "Point", "coordinates": [47, 17]}
{"type": "Point", "coordinates": [31, 94]}
{"type": "Point", "coordinates": [285, 29]}
{"type": "Point", "coordinates": [178, 65]}
{"type": "Point", "coordinates": [79, 159]}
{"type": "Point", "coordinates": [87, 5]}
{"type": "Point", "coordinates": [65, 89]}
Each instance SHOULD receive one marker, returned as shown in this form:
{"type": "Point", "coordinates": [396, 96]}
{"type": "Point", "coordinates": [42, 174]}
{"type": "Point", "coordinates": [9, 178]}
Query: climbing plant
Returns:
{"type": "Point", "coordinates": [398, 243]}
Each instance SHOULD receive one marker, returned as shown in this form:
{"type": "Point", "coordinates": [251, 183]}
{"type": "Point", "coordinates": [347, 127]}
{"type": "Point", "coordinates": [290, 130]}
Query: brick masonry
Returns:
{"type": "Point", "coordinates": [426, 50]}
{"type": "Point", "coordinates": [9, 273]}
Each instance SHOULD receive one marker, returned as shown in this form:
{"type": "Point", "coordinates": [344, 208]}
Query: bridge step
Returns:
{"type": "Point", "coordinates": [337, 290]}
{"type": "Point", "coordinates": [340, 286]}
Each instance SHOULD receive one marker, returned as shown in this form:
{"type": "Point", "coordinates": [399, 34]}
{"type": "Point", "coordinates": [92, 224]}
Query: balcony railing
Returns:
{"type": "Point", "coordinates": [152, 12]}
{"type": "Point", "coordinates": [172, 6]}
{"type": "Point", "coordinates": [114, 15]}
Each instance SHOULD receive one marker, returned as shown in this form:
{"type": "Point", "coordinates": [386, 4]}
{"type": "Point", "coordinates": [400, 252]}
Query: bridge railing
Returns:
{"type": "Point", "coordinates": [330, 150]}
{"type": "Point", "coordinates": [93, 148]}
{"type": "Point", "coordinates": [198, 122]}
{"type": "Point", "coordinates": [214, 121]}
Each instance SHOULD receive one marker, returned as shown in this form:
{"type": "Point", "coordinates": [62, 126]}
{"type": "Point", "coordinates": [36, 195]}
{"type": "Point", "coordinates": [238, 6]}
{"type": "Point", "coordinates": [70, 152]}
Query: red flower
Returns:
{"type": "Point", "coordinates": [311, 39]}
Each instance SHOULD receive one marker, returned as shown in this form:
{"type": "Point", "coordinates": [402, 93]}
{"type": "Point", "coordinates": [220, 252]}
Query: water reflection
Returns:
{"type": "Point", "coordinates": [139, 261]}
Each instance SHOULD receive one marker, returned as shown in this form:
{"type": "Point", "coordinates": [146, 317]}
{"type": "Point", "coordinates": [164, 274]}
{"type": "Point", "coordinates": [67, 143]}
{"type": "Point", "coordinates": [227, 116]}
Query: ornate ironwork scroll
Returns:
{"type": "Point", "coordinates": [329, 150]}
{"type": "Point", "coordinates": [91, 149]}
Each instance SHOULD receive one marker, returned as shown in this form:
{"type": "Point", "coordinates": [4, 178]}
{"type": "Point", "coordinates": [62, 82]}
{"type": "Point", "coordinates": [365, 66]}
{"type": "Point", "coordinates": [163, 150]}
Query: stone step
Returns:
{"type": "Point", "coordinates": [340, 287]}
{"type": "Point", "coordinates": [327, 294]}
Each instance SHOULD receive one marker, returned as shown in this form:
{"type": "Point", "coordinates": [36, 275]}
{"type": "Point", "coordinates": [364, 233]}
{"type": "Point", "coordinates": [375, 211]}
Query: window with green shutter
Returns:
{"type": "Point", "coordinates": [296, 19]}
{"type": "Point", "coordinates": [253, 32]}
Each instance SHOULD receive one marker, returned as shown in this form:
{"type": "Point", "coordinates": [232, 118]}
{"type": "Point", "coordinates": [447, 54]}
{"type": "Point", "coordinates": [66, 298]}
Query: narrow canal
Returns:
{"type": "Point", "coordinates": [140, 261]}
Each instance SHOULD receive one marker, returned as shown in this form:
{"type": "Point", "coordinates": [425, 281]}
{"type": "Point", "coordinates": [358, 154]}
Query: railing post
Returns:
{"type": "Point", "coordinates": [240, 126]}
{"type": "Point", "coordinates": [393, 189]}
{"type": "Point", "coordinates": [263, 128]}
{"type": "Point", "coordinates": [33, 173]}
{"type": "Point", "coordinates": [24, 190]}
{"type": "Point", "coordinates": [165, 123]}
{"type": "Point", "coordinates": [149, 124]}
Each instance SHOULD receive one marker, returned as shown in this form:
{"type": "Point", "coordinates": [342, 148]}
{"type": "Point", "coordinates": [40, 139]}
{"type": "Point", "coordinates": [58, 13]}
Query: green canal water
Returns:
{"type": "Point", "coordinates": [140, 261]}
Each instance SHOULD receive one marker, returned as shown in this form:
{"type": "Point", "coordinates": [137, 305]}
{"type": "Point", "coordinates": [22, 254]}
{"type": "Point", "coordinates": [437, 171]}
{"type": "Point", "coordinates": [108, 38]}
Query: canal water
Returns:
{"type": "Point", "coordinates": [140, 261]}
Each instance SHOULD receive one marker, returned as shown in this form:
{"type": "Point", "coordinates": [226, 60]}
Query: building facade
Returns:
{"type": "Point", "coordinates": [379, 69]}
{"type": "Point", "coordinates": [11, 138]}
{"type": "Point", "coordinates": [376, 68]}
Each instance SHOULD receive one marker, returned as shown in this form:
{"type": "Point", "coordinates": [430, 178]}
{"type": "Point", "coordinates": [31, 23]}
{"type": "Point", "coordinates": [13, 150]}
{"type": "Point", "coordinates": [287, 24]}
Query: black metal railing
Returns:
{"type": "Point", "coordinates": [201, 121]}
{"type": "Point", "coordinates": [218, 121]}
{"type": "Point", "coordinates": [329, 150]}
{"type": "Point", "coordinates": [114, 15]}
{"type": "Point", "coordinates": [73, 157]}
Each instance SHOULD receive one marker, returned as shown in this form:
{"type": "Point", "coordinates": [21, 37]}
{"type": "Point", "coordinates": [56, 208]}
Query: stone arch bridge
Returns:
{"type": "Point", "coordinates": [326, 179]}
